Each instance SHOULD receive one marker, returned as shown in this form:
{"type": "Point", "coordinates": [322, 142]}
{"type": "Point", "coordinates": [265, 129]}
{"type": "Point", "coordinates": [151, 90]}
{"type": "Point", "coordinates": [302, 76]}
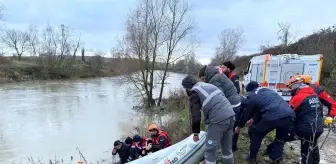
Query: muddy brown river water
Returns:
{"type": "Point", "coordinates": [50, 119]}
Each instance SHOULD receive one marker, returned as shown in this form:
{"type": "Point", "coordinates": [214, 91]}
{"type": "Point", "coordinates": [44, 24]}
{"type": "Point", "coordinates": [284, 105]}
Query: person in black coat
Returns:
{"type": "Point", "coordinates": [273, 113]}
{"type": "Point", "coordinates": [123, 150]}
{"type": "Point", "coordinates": [246, 113]}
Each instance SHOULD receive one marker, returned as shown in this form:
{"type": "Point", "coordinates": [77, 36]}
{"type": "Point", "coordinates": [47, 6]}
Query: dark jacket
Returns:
{"type": "Point", "coordinates": [137, 150]}
{"type": "Point", "coordinates": [326, 100]}
{"type": "Point", "coordinates": [124, 153]}
{"type": "Point", "coordinates": [235, 80]}
{"type": "Point", "coordinates": [212, 102]}
{"type": "Point", "coordinates": [247, 112]}
{"type": "Point", "coordinates": [269, 104]}
{"type": "Point", "coordinates": [214, 77]}
{"type": "Point", "coordinates": [309, 116]}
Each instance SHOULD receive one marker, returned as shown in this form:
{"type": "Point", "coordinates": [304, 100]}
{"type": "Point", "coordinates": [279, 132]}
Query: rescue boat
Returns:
{"type": "Point", "coordinates": [185, 151]}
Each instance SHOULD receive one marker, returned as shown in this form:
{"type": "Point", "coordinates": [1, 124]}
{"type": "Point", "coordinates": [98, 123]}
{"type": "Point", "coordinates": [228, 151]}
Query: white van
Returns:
{"type": "Point", "coordinates": [274, 71]}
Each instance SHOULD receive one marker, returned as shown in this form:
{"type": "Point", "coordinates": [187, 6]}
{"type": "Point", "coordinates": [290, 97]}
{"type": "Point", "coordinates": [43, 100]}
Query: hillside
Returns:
{"type": "Point", "coordinates": [322, 42]}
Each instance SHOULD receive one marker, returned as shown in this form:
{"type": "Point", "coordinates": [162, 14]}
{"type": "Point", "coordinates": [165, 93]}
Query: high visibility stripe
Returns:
{"type": "Point", "coordinates": [208, 162]}
{"type": "Point", "coordinates": [207, 99]}
{"type": "Point", "coordinates": [207, 96]}
{"type": "Point", "coordinates": [227, 156]}
{"type": "Point", "coordinates": [236, 105]}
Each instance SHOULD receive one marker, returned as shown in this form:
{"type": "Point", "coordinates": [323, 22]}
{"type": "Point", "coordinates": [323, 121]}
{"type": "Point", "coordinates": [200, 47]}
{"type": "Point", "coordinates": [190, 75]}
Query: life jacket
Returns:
{"type": "Point", "coordinates": [156, 139]}
{"type": "Point", "coordinates": [230, 75]}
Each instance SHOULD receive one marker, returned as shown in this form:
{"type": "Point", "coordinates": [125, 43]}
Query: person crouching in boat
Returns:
{"type": "Point", "coordinates": [160, 139]}
{"type": "Point", "coordinates": [218, 114]}
{"type": "Point", "coordinates": [123, 150]}
{"type": "Point", "coordinates": [138, 148]}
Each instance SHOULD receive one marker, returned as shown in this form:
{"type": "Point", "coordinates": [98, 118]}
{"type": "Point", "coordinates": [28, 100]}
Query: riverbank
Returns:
{"type": "Point", "coordinates": [179, 128]}
{"type": "Point", "coordinates": [33, 68]}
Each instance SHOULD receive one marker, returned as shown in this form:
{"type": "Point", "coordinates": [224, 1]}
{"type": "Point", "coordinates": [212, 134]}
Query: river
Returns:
{"type": "Point", "coordinates": [50, 119]}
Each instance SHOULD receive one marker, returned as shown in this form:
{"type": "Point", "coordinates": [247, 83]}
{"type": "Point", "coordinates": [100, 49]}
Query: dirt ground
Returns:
{"type": "Point", "coordinates": [327, 152]}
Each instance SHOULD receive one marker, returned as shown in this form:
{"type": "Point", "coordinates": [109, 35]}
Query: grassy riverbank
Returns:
{"type": "Point", "coordinates": [33, 68]}
{"type": "Point", "coordinates": [179, 128]}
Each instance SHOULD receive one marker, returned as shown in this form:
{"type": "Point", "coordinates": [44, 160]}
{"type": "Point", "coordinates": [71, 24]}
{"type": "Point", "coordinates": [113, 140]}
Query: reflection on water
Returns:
{"type": "Point", "coordinates": [40, 119]}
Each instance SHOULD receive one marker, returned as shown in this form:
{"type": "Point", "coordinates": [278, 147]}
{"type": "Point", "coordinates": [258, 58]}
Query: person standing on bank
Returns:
{"type": "Point", "coordinates": [212, 75]}
{"type": "Point", "coordinates": [274, 114]}
{"type": "Point", "coordinates": [228, 69]}
{"type": "Point", "coordinates": [219, 116]}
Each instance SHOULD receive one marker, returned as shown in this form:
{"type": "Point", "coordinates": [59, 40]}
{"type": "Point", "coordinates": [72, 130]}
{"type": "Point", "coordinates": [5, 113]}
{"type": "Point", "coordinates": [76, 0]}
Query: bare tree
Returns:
{"type": "Point", "coordinates": [49, 45]}
{"type": "Point", "coordinates": [33, 40]}
{"type": "Point", "coordinates": [154, 31]}
{"type": "Point", "coordinates": [16, 40]}
{"type": "Point", "coordinates": [64, 41]}
{"type": "Point", "coordinates": [177, 28]}
{"type": "Point", "coordinates": [284, 34]}
{"type": "Point", "coordinates": [141, 43]}
{"type": "Point", "coordinates": [230, 41]}
{"type": "Point", "coordinates": [57, 44]}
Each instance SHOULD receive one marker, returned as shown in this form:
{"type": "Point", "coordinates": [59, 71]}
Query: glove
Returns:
{"type": "Point", "coordinates": [149, 146]}
{"type": "Point", "coordinates": [328, 121]}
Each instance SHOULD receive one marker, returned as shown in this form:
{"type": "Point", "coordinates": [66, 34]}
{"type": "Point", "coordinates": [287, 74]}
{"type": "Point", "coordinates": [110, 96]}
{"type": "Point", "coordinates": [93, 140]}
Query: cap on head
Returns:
{"type": "Point", "coordinates": [189, 81]}
{"type": "Point", "coordinates": [229, 65]}
{"type": "Point", "coordinates": [117, 143]}
{"type": "Point", "coordinates": [137, 138]}
{"type": "Point", "coordinates": [251, 86]}
{"type": "Point", "coordinates": [153, 127]}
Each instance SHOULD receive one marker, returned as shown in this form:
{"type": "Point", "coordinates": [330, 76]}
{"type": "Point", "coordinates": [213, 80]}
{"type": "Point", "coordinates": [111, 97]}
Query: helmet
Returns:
{"type": "Point", "coordinates": [152, 127]}
{"type": "Point", "coordinates": [307, 79]}
{"type": "Point", "coordinates": [295, 79]}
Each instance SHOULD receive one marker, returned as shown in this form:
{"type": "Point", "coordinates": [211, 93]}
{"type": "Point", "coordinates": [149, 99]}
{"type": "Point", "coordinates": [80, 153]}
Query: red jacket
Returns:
{"type": "Point", "coordinates": [326, 100]}
{"type": "Point", "coordinates": [230, 75]}
{"type": "Point", "coordinates": [155, 139]}
{"type": "Point", "coordinates": [142, 144]}
{"type": "Point", "coordinates": [308, 110]}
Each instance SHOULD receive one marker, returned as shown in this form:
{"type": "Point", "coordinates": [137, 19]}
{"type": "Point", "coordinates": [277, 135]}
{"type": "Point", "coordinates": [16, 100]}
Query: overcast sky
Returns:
{"type": "Point", "coordinates": [100, 21]}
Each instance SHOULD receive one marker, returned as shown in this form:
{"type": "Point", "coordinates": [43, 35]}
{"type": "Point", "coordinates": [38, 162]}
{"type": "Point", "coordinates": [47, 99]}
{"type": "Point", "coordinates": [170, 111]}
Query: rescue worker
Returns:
{"type": "Point", "coordinates": [308, 125]}
{"type": "Point", "coordinates": [247, 113]}
{"type": "Point", "coordinates": [123, 150]}
{"type": "Point", "coordinates": [212, 75]}
{"type": "Point", "coordinates": [241, 120]}
{"type": "Point", "coordinates": [324, 97]}
{"type": "Point", "coordinates": [160, 139]}
{"type": "Point", "coordinates": [228, 69]}
{"type": "Point", "coordinates": [138, 147]}
{"type": "Point", "coordinates": [218, 114]}
{"type": "Point", "coordinates": [274, 114]}
{"type": "Point", "coordinates": [128, 141]}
